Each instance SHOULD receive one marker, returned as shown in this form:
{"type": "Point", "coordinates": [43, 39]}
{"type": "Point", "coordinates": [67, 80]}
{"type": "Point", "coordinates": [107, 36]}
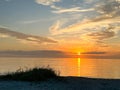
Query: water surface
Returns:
{"type": "Point", "coordinates": [67, 66]}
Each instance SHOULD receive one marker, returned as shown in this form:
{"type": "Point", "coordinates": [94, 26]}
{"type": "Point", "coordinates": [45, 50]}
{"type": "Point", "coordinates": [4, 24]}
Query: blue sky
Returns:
{"type": "Point", "coordinates": [55, 24]}
{"type": "Point", "coordinates": [29, 16]}
{"type": "Point", "coordinates": [15, 13]}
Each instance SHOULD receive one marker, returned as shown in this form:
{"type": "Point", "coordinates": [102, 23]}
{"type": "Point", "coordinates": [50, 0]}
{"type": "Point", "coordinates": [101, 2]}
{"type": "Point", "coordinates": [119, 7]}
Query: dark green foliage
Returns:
{"type": "Point", "coordinates": [35, 74]}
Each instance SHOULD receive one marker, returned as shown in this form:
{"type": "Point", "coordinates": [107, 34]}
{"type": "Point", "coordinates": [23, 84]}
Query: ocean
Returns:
{"type": "Point", "coordinates": [95, 68]}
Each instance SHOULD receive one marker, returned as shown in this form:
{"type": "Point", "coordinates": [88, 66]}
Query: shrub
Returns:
{"type": "Point", "coordinates": [35, 74]}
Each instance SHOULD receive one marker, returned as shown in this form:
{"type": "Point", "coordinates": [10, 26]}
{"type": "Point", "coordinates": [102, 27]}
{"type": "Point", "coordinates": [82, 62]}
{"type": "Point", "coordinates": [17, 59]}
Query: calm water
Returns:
{"type": "Point", "coordinates": [67, 66]}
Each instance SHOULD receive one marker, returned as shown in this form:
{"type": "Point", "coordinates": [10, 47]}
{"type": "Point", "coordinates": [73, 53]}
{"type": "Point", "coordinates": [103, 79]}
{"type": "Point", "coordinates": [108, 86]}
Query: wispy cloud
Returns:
{"type": "Point", "coordinates": [59, 9]}
{"type": "Point", "coordinates": [4, 32]}
{"type": "Point", "coordinates": [57, 25]}
{"type": "Point", "coordinates": [103, 26]}
{"type": "Point", "coordinates": [72, 10]}
{"type": "Point", "coordinates": [85, 25]}
{"type": "Point", "coordinates": [89, 1]}
{"type": "Point", "coordinates": [50, 3]}
{"type": "Point", "coordinates": [109, 7]}
{"type": "Point", "coordinates": [109, 16]}
{"type": "Point", "coordinates": [47, 2]}
{"type": "Point", "coordinates": [30, 21]}
{"type": "Point", "coordinates": [102, 35]}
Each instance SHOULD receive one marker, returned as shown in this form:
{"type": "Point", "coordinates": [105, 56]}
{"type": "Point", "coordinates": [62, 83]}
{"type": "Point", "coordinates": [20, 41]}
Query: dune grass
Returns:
{"type": "Point", "coordinates": [35, 74]}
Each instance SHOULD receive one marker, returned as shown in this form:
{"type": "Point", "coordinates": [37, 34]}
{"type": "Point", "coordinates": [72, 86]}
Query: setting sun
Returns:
{"type": "Point", "coordinates": [79, 53]}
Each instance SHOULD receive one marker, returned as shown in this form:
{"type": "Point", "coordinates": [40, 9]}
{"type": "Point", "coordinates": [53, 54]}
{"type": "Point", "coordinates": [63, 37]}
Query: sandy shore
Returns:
{"type": "Point", "coordinates": [66, 83]}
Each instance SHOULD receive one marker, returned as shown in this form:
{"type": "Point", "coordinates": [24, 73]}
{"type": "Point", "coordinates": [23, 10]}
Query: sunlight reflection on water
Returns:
{"type": "Point", "coordinates": [66, 66]}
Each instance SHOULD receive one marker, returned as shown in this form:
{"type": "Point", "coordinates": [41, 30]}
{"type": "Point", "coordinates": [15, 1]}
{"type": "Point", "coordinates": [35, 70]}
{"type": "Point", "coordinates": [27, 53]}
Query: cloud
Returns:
{"type": "Point", "coordinates": [101, 55]}
{"type": "Point", "coordinates": [58, 24]}
{"type": "Point", "coordinates": [98, 26]}
{"type": "Point", "coordinates": [110, 15]}
{"type": "Point", "coordinates": [98, 22]}
{"type": "Point", "coordinates": [89, 1]}
{"type": "Point", "coordinates": [4, 32]}
{"type": "Point", "coordinates": [50, 3]}
{"type": "Point", "coordinates": [104, 34]}
{"type": "Point", "coordinates": [3, 36]}
{"type": "Point", "coordinates": [94, 52]}
{"type": "Point", "coordinates": [109, 7]}
{"type": "Point", "coordinates": [60, 54]}
{"type": "Point", "coordinates": [47, 2]}
{"type": "Point", "coordinates": [71, 10]}
{"type": "Point", "coordinates": [37, 54]}
{"type": "Point", "coordinates": [30, 21]}
{"type": "Point", "coordinates": [59, 9]}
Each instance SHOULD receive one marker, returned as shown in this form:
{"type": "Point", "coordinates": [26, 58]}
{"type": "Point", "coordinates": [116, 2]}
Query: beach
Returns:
{"type": "Point", "coordinates": [64, 83]}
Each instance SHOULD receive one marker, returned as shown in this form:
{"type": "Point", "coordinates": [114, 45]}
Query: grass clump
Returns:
{"type": "Point", "coordinates": [35, 74]}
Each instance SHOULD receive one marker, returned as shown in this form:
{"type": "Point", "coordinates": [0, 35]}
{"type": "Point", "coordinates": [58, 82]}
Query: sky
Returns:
{"type": "Point", "coordinates": [89, 27]}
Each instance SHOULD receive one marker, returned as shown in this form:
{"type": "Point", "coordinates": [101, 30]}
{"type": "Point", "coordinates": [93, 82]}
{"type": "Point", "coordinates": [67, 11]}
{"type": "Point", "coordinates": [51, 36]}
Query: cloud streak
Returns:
{"type": "Point", "coordinates": [72, 10]}
{"type": "Point", "coordinates": [4, 32]}
{"type": "Point", "coordinates": [94, 52]}
{"type": "Point", "coordinates": [47, 2]}
{"type": "Point", "coordinates": [38, 54]}
{"type": "Point", "coordinates": [61, 10]}
{"type": "Point", "coordinates": [59, 54]}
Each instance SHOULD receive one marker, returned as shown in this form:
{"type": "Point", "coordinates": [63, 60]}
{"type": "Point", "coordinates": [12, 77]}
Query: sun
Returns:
{"type": "Point", "coordinates": [79, 53]}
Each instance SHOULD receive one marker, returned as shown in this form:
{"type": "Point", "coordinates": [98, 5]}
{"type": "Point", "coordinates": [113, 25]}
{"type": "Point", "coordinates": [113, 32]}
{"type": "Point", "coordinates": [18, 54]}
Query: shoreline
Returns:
{"type": "Point", "coordinates": [63, 83]}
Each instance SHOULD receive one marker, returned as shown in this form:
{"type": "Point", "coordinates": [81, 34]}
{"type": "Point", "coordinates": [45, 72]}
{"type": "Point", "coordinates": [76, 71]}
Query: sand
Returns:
{"type": "Point", "coordinates": [66, 83]}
